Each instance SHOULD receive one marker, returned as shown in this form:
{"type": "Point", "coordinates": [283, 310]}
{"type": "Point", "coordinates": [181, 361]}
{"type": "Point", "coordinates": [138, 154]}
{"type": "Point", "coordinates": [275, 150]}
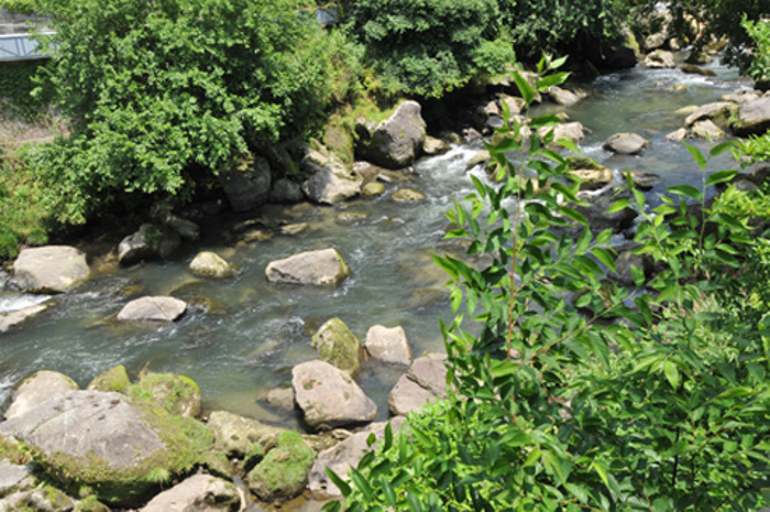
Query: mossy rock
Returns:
{"type": "Point", "coordinates": [115, 379]}
{"type": "Point", "coordinates": [575, 162]}
{"type": "Point", "coordinates": [14, 452]}
{"type": "Point", "coordinates": [338, 346]}
{"type": "Point", "coordinates": [177, 394]}
{"type": "Point", "coordinates": [125, 448]}
{"type": "Point", "coordinates": [283, 472]}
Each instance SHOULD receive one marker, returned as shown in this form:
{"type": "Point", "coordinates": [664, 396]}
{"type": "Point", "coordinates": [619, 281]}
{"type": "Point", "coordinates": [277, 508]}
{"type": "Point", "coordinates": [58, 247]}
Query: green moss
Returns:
{"type": "Point", "coordinates": [14, 452]}
{"type": "Point", "coordinates": [177, 394]}
{"type": "Point", "coordinates": [283, 472]}
{"type": "Point", "coordinates": [115, 379]}
{"type": "Point", "coordinates": [338, 346]}
{"type": "Point", "coordinates": [583, 162]}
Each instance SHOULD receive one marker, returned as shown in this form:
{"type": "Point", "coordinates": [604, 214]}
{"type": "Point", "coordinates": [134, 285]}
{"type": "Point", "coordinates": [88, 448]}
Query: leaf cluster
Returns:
{"type": "Point", "coordinates": [572, 392]}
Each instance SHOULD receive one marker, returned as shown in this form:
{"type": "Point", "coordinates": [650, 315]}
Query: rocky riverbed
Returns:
{"type": "Point", "coordinates": [213, 361]}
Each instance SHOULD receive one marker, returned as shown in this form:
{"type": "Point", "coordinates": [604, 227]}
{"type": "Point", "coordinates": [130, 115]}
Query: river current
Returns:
{"type": "Point", "coordinates": [253, 332]}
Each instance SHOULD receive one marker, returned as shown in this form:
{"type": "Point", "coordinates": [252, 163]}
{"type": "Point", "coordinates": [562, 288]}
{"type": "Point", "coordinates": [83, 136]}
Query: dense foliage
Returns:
{"type": "Point", "coordinates": [158, 90]}
{"type": "Point", "coordinates": [576, 393]}
{"type": "Point", "coordinates": [757, 147]}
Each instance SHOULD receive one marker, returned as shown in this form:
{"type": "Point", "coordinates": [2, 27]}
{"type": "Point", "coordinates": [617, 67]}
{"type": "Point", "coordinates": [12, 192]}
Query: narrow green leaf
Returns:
{"type": "Point", "coordinates": [605, 257]}
{"type": "Point", "coordinates": [361, 484]}
{"type": "Point", "coordinates": [414, 502]}
{"type": "Point", "coordinates": [619, 205]}
{"type": "Point", "coordinates": [549, 81]}
{"type": "Point", "coordinates": [387, 490]}
{"type": "Point", "coordinates": [686, 190]}
{"type": "Point", "coordinates": [697, 155]}
{"type": "Point", "coordinates": [722, 147]}
{"type": "Point", "coordinates": [524, 88]}
{"type": "Point", "coordinates": [574, 215]}
{"type": "Point", "coordinates": [721, 177]}
{"type": "Point", "coordinates": [339, 482]}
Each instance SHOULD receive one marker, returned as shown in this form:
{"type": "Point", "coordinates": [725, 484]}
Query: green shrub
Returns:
{"type": "Point", "coordinates": [165, 91]}
{"type": "Point", "coordinates": [430, 47]}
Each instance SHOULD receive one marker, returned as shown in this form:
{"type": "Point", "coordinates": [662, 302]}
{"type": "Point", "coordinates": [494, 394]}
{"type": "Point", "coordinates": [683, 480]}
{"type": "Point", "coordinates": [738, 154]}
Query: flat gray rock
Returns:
{"type": "Point", "coordinates": [320, 268]}
{"type": "Point", "coordinates": [50, 269]}
{"type": "Point", "coordinates": [424, 382]}
{"type": "Point", "coordinates": [36, 389]}
{"type": "Point", "coordinates": [152, 309]}
{"type": "Point", "coordinates": [11, 476]}
{"type": "Point", "coordinates": [388, 344]}
{"type": "Point", "coordinates": [14, 318]}
{"type": "Point", "coordinates": [198, 493]}
{"type": "Point", "coordinates": [329, 397]}
{"type": "Point", "coordinates": [626, 143]}
{"type": "Point", "coordinates": [753, 117]}
{"type": "Point", "coordinates": [235, 434]}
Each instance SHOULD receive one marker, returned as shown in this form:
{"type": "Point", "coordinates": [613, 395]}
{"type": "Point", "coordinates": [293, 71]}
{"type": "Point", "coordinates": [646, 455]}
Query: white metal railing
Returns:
{"type": "Point", "coordinates": [15, 47]}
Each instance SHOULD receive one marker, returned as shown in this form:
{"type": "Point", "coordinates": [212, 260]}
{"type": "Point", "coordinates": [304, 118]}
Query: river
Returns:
{"type": "Point", "coordinates": [254, 332]}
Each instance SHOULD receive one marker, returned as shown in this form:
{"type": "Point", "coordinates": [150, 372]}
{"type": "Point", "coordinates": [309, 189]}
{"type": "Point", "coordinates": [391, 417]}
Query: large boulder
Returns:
{"type": "Point", "coordinates": [50, 269]}
{"type": "Point", "coordinates": [239, 436]}
{"type": "Point", "coordinates": [659, 59]}
{"type": "Point", "coordinates": [148, 243]}
{"type": "Point", "coordinates": [321, 268]}
{"type": "Point", "coordinates": [753, 117]}
{"type": "Point", "coordinates": [36, 389]}
{"type": "Point", "coordinates": [198, 493]}
{"type": "Point", "coordinates": [210, 264]}
{"type": "Point", "coordinates": [343, 456]}
{"type": "Point", "coordinates": [396, 142]}
{"type": "Point", "coordinates": [424, 382]}
{"type": "Point", "coordinates": [626, 143]}
{"type": "Point", "coordinates": [152, 309]}
{"type": "Point", "coordinates": [286, 191]}
{"type": "Point", "coordinates": [388, 344]}
{"type": "Point", "coordinates": [719, 112]}
{"type": "Point", "coordinates": [247, 185]}
{"type": "Point", "coordinates": [331, 180]}
{"type": "Point", "coordinates": [707, 130]}
{"type": "Point", "coordinates": [337, 345]}
{"type": "Point", "coordinates": [329, 397]}
{"type": "Point", "coordinates": [121, 448]}
{"type": "Point", "coordinates": [283, 472]}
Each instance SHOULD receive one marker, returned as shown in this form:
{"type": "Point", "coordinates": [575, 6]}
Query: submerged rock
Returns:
{"type": "Point", "coordinates": [36, 389]}
{"type": "Point", "coordinates": [408, 195]}
{"type": "Point", "coordinates": [122, 447]}
{"type": "Point", "coordinates": [14, 318]}
{"type": "Point", "coordinates": [283, 472]}
{"type": "Point", "coordinates": [198, 493]}
{"type": "Point", "coordinates": [321, 268]}
{"type": "Point", "coordinates": [338, 346]}
{"type": "Point", "coordinates": [329, 397]}
{"type": "Point", "coordinates": [152, 309]}
{"type": "Point", "coordinates": [697, 70]}
{"type": "Point", "coordinates": [50, 269]}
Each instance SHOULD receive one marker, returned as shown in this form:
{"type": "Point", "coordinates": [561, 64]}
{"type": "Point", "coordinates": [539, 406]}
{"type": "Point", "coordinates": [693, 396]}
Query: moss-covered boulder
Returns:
{"type": "Point", "coordinates": [122, 448]}
{"type": "Point", "coordinates": [114, 379]}
{"type": "Point", "coordinates": [177, 394]}
{"type": "Point", "coordinates": [338, 346]}
{"type": "Point", "coordinates": [210, 264]}
{"type": "Point", "coordinates": [283, 472]}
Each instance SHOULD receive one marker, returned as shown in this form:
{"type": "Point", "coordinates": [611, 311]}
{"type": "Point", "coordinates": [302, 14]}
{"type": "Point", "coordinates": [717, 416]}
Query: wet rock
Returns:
{"type": "Point", "coordinates": [281, 397]}
{"type": "Point", "coordinates": [424, 382]}
{"type": "Point", "coordinates": [397, 141]}
{"type": "Point", "coordinates": [237, 435]}
{"type": "Point", "coordinates": [343, 456]}
{"type": "Point", "coordinates": [187, 229]}
{"type": "Point", "coordinates": [115, 379]}
{"type": "Point", "coordinates": [677, 135]}
{"type": "Point", "coordinates": [331, 180]}
{"type": "Point", "coordinates": [148, 243]}
{"type": "Point", "coordinates": [655, 41]}
{"type": "Point", "coordinates": [177, 394]}
{"type": "Point", "coordinates": [515, 105]}
{"type": "Point", "coordinates": [591, 179]}
{"type": "Point", "coordinates": [707, 130]}
{"type": "Point", "coordinates": [14, 318]}
{"type": "Point", "coordinates": [408, 195]}
{"type": "Point", "coordinates": [388, 344]}
{"type": "Point", "coordinates": [122, 448]}
{"type": "Point", "coordinates": [338, 346]}
{"type": "Point", "coordinates": [565, 97]}
{"type": "Point", "coordinates": [659, 59]}
{"type": "Point", "coordinates": [286, 191]}
{"type": "Point", "coordinates": [373, 189]}
{"type": "Point", "coordinates": [718, 112]}
{"type": "Point", "coordinates": [293, 229]}
{"type": "Point", "coordinates": [573, 131]}
{"type": "Point", "coordinates": [696, 70]}
{"type": "Point", "coordinates": [627, 259]}
{"type": "Point", "coordinates": [482, 157]}
{"type": "Point", "coordinates": [753, 117]}
{"type": "Point", "coordinates": [618, 55]}
{"type": "Point", "coordinates": [596, 212]}
{"type": "Point", "coordinates": [283, 472]}
{"type": "Point", "coordinates": [626, 144]}
{"type": "Point", "coordinates": [198, 493]}
{"type": "Point", "coordinates": [645, 180]}
{"type": "Point", "coordinates": [152, 309]}
{"type": "Point", "coordinates": [433, 146]}
{"type": "Point", "coordinates": [329, 397]}
{"type": "Point", "coordinates": [247, 185]}
{"type": "Point", "coordinates": [321, 268]}
{"type": "Point", "coordinates": [742, 97]}
{"type": "Point", "coordinates": [50, 269]}
{"type": "Point", "coordinates": [470, 135]}
{"type": "Point", "coordinates": [36, 389]}
{"type": "Point", "coordinates": [210, 264]}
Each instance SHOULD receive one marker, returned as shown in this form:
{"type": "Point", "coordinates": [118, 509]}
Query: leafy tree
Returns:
{"type": "Point", "coordinates": [575, 393]}
{"type": "Point", "coordinates": [430, 47]}
{"type": "Point", "coordinates": [161, 91]}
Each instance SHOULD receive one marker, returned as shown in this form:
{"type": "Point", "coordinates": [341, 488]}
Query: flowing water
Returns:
{"type": "Point", "coordinates": [252, 332]}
